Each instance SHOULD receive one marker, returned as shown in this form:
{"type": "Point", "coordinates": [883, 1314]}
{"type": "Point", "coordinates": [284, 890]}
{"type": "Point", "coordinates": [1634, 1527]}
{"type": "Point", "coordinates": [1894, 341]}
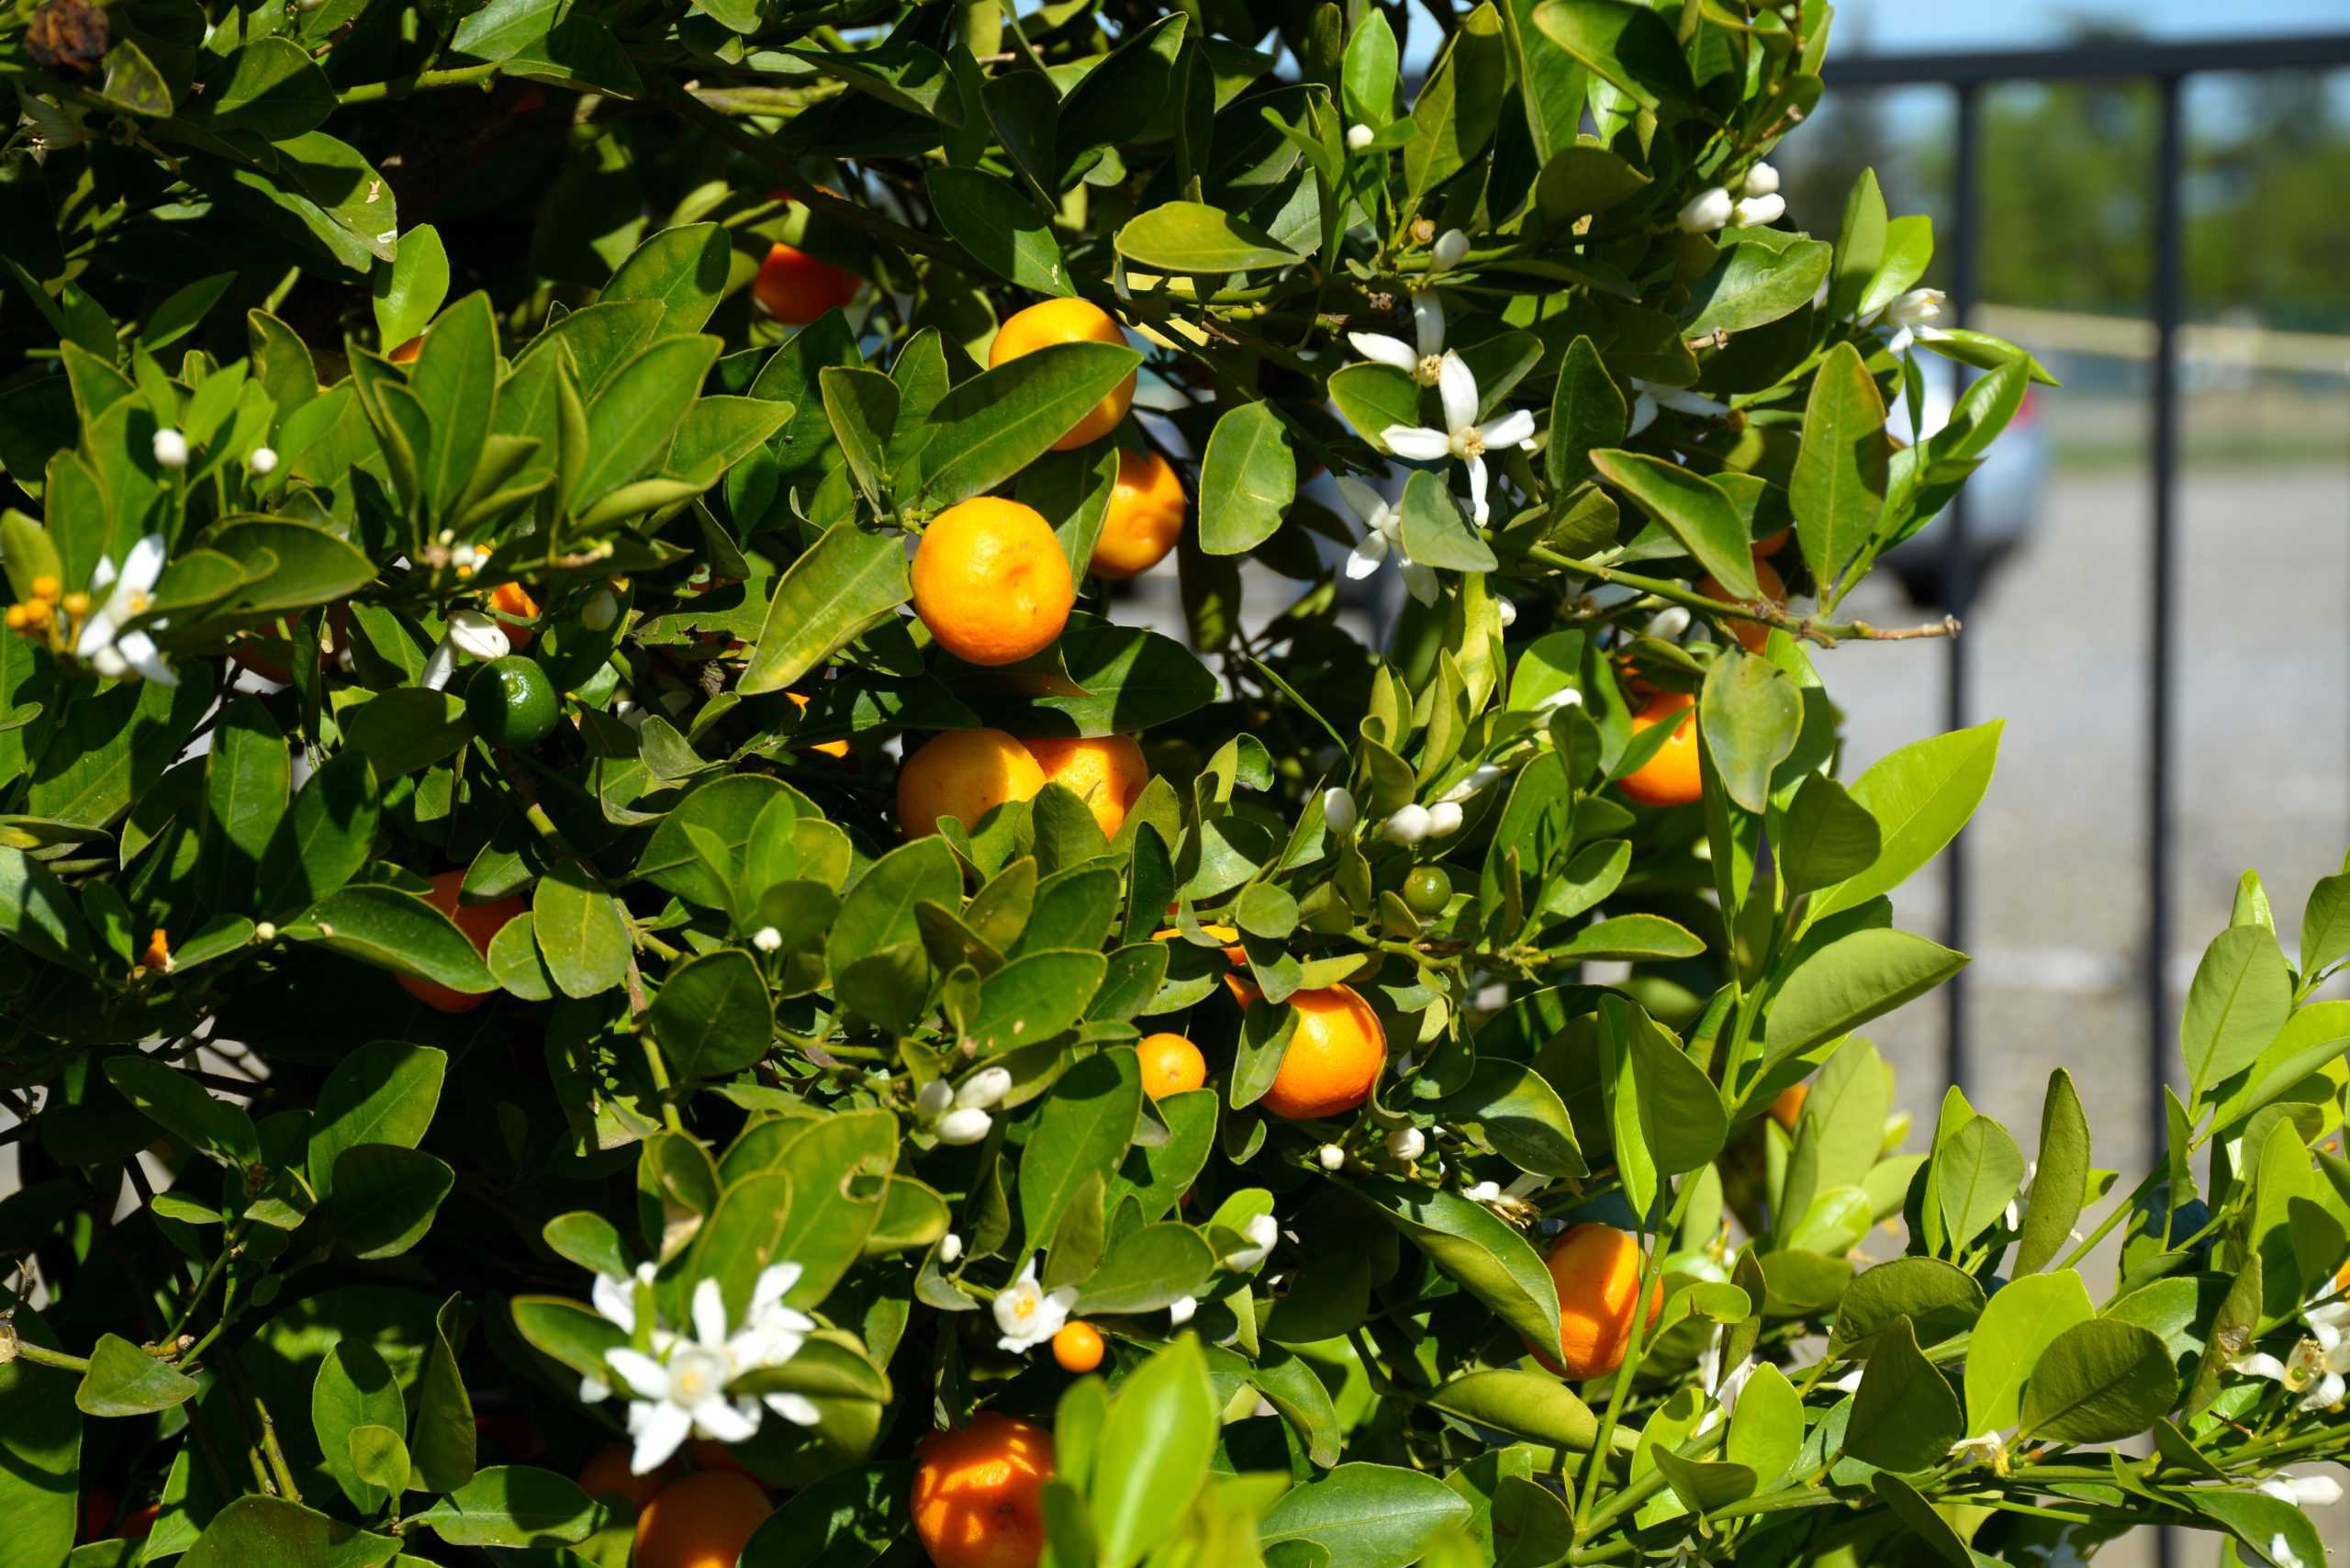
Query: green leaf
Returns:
{"type": "Point", "coordinates": [1752, 285]}
{"type": "Point", "coordinates": [1920, 795]}
{"type": "Point", "coordinates": [1153, 1452]}
{"type": "Point", "coordinates": [2060, 1182]}
{"type": "Point", "coordinates": [184, 1108]}
{"type": "Point", "coordinates": [2009, 1339]}
{"type": "Point", "coordinates": [124, 1380]}
{"type": "Point", "coordinates": [683, 270]}
{"type": "Point", "coordinates": [847, 583]}
{"type": "Point", "coordinates": [1584, 179]}
{"type": "Point", "coordinates": [41, 1440]}
{"type": "Point", "coordinates": [1681, 1111]}
{"type": "Point", "coordinates": [1001, 420]}
{"type": "Point", "coordinates": [273, 89]}
{"type": "Point", "coordinates": [1000, 227]}
{"type": "Point", "coordinates": [880, 910]}
{"type": "Point", "coordinates": [713, 1016]}
{"type": "Point", "coordinates": [407, 729]}
{"type": "Point", "coordinates": [1081, 1131]}
{"type": "Point", "coordinates": [513, 1505]}
{"type": "Point", "coordinates": [1436, 532]}
{"type": "Point", "coordinates": [455, 382]}
{"type": "Point", "coordinates": [2239, 999]}
{"type": "Point", "coordinates": [582, 935]}
{"type": "Point", "coordinates": [395, 931]}
{"type": "Point", "coordinates": [1693, 509]}
{"type": "Point", "coordinates": [378, 1457]}
{"type": "Point", "coordinates": [322, 842]}
{"type": "Point", "coordinates": [863, 407]}
{"type": "Point", "coordinates": [1827, 837]}
{"type": "Point", "coordinates": [1148, 1270]}
{"type": "Point", "coordinates": [2325, 925]}
{"type": "Point", "coordinates": [1246, 480]}
{"type": "Point", "coordinates": [1856, 978]}
{"type": "Point", "coordinates": [354, 1388]}
{"type": "Point", "coordinates": [2278, 1532]}
{"type": "Point", "coordinates": [2098, 1381]}
{"type": "Point", "coordinates": [1491, 1261]}
{"type": "Point", "coordinates": [1976, 1172]}
{"type": "Point", "coordinates": [1766, 1430]}
{"type": "Point", "coordinates": [1193, 237]}
{"type": "Point", "coordinates": [1587, 412]}
{"type": "Point", "coordinates": [440, 1434]}
{"type": "Point", "coordinates": [386, 1198]}
{"type": "Point", "coordinates": [1033, 998]}
{"type": "Point", "coordinates": [850, 1519]}
{"type": "Point", "coordinates": [1373, 396]}
{"type": "Point", "coordinates": [1905, 1416]}
{"type": "Point", "coordinates": [265, 1533]}
{"type": "Point", "coordinates": [1459, 110]}
{"type": "Point", "coordinates": [1749, 712]}
{"type": "Point", "coordinates": [1630, 45]}
{"type": "Point", "coordinates": [1629, 938]}
{"type": "Point", "coordinates": [1925, 1523]}
{"type": "Point", "coordinates": [1514, 1109]}
{"type": "Point", "coordinates": [38, 913]}
{"type": "Point", "coordinates": [633, 419]}
{"type": "Point", "coordinates": [1366, 1516]}
{"type": "Point", "coordinates": [380, 1093]}
{"type": "Point", "coordinates": [1837, 490]}
{"type": "Point", "coordinates": [1528, 1405]}
{"type": "Point", "coordinates": [312, 566]}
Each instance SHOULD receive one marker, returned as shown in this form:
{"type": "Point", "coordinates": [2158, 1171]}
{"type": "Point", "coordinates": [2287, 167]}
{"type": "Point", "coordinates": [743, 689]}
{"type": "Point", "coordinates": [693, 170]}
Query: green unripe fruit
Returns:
{"type": "Point", "coordinates": [1427, 890]}
{"type": "Point", "coordinates": [511, 702]}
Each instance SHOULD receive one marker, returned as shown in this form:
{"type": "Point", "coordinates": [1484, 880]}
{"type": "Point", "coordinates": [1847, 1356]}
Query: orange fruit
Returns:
{"type": "Point", "coordinates": [478, 921]}
{"type": "Point", "coordinates": [1077, 1347]}
{"type": "Point", "coordinates": [1170, 1064]}
{"type": "Point", "coordinates": [963, 774]}
{"type": "Point", "coordinates": [1145, 519]}
{"type": "Point", "coordinates": [1333, 1059]}
{"type": "Point", "coordinates": [1107, 774]}
{"type": "Point", "coordinates": [158, 955]}
{"type": "Point", "coordinates": [709, 1453]}
{"type": "Point", "coordinates": [991, 582]}
{"type": "Point", "coordinates": [796, 288]}
{"type": "Point", "coordinates": [406, 353]}
{"type": "Point", "coordinates": [829, 748]}
{"type": "Point", "coordinates": [1067, 321]}
{"type": "Point", "coordinates": [1670, 776]}
{"type": "Point", "coordinates": [702, 1520]}
{"type": "Point", "coordinates": [514, 599]}
{"type": "Point", "coordinates": [1597, 1271]}
{"type": "Point", "coordinates": [607, 1476]}
{"type": "Point", "coordinates": [1787, 1106]}
{"type": "Point", "coordinates": [978, 1493]}
{"type": "Point", "coordinates": [1771, 544]}
{"type": "Point", "coordinates": [1751, 634]}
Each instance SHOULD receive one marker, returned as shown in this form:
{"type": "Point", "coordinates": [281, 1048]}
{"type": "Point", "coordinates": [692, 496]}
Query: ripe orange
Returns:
{"type": "Point", "coordinates": [1067, 321]}
{"type": "Point", "coordinates": [1787, 1106]}
{"type": "Point", "coordinates": [1170, 1064]}
{"type": "Point", "coordinates": [962, 774]}
{"type": "Point", "coordinates": [1771, 544]}
{"type": "Point", "coordinates": [1671, 775]}
{"type": "Point", "coordinates": [991, 582]}
{"type": "Point", "coordinates": [1107, 774]}
{"type": "Point", "coordinates": [607, 1476]}
{"type": "Point", "coordinates": [703, 1520]}
{"type": "Point", "coordinates": [1077, 1347]}
{"type": "Point", "coordinates": [1751, 634]}
{"type": "Point", "coordinates": [514, 599]}
{"type": "Point", "coordinates": [479, 921]}
{"type": "Point", "coordinates": [1333, 1057]}
{"type": "Point", "coordinates": [709, 1453]}
{"type": "Point", "coordinates": [1597, 1271]}
{"type": "Point", "coordinates": [978, 1493]}
{"type": "Point", "coordinates": [1145, 520]}
{"type": "Point", "coordinates": [829, 748]}
{"type": "Point", "coordinates": [796, 288]}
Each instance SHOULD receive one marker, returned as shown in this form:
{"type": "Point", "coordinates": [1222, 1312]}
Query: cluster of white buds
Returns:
{"type": "Point", "coordinates": [1408, 825]}
{"type": "Point", "coordinates": [961, 1115]}
{"type": "Point", "coordinates": [1757, 202]}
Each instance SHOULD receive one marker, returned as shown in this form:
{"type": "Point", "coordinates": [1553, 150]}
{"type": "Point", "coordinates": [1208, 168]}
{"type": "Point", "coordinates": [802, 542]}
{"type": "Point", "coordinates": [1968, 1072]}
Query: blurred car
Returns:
{"type": "Point", "coordinates": [2002, 498]}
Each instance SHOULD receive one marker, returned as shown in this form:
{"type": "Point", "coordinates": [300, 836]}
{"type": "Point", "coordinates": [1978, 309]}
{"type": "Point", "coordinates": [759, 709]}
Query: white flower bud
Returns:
{"type": "Point", "coordinates": [985, 1087]}
{"type": "Point", "coordinates": [1451, 248]}
{"type": "Point", "coordinates": [1707, 211]}
{"type": "Point", "coordinates": [1762, 180]}
{"type": "Point", "coordinates": [966, 1124]}
{"type": "Point", "coordinates": [1483, 1193]}
{"type": "Point", "coordinates": [1670, 621]}
{"type": "Point", "coordinates": [264, 932]}
{"type": "Point", "coordinates": [1918, 308]}
{"type": "Point", "coordinates": [935, 1097]}
{"type": "Point", "coordinates": [1262, 1231]}
{"type": "Point", "coordinates": [601, 609]}
{"type": "Point", "coordinates": [1480, 776]}
{"type": "Point", "coordinates": [1405, 1145]}
{"type": "Point", "coordinates": [1565, 696]}
{"type": "Point", "coordinates": [1339, 812]}
{"type": "Point", "coordinates": [766, 939]}
{"type": "Point", "coordinates": [471, 631]}
{"type": "Point", "coordinates": [1444, 820]}
{"type": "Point", "coordinates": [950, 1248]}
{"type": "Point", "coordinates": [1330, 1156]}
{"type": "Point", "coordinates": [1509, 613]}
{"type": "Point", "coordinates": [2303, 1491]}
{"type": "Point", "coordinates": [1180, 1310]}
{"type": "Point", "coordinates": [171, 449]}
{"type": "Point", "coordinates": [263, 461]}
{"type": "Point", "coordinates": [1756, 211]}
{"type": "Point", "coordinates": [1360, 137]}
{"type": "Point", "coordinates": [1408, 825]}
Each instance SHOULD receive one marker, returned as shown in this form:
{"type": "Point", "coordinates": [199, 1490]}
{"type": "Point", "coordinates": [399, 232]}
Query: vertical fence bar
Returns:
{"type": "Point", "coordinates": [2167, 304]}
{"type": "Point", "coordinates": [1958, 577]}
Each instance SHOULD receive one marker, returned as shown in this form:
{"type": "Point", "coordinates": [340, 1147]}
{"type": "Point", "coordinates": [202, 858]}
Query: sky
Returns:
{"type": "Point", "coordinates": [1897, 26]}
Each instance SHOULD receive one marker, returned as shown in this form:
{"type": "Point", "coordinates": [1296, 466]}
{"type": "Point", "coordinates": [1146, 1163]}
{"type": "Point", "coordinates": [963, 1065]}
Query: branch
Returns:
{"type": "Point", "coordinates": [421, 81]}
{"type": "Point", "coordinates": [1827, 634]}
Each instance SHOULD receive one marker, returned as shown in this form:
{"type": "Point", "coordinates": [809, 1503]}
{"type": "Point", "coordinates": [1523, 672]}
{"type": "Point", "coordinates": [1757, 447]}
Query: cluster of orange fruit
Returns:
{"type": "Point", "coordinates": [699, 1519]}
{"type": "Point", "coordinates": [964, 774]}
{"type": "Point", "coordinates": [1671, 776]}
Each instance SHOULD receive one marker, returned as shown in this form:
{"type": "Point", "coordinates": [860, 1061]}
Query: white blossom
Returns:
{"type": "Point", "coordinates": [1405, 1145]}
{"type": "Point", "coordinates": [2318, 1366]}
{"type": "Point", "coordinates": [1912, 317]}
{"type": "Point", "coordinates": [1451, 250]}
{"type": "Point", "coordinates": [1383, 532]}
{"type": "Point", "coordinates": [936, 1097]}
{"type": "Point", "coordinates": [1565, 696]}
{"type": "Point", "coordinates": [965, 1124]}
{"type": "Point", "coordinates": [1762, 180]}
{"type": "Point", "coordinates": [1482, 1192]}
{"type": "Point", "coordinates": [950, 1248]}
{"type": "Point", "coordinates": [984, 1089]}
{"type": "Point", "coordinates": [2303, 1491]}
{"type": "Point", "coordinates": [1339, 812]}
{"type": "Point", "coordinates": [1707, 211]}
{"type": "Point", "coordinates": [262, 461]}
{"type": "Point", "coordinates": [120, 596]}
{"type": "Point", "coordinates": [1462, 437]}
{"type": "Point", "coordinates": [1647, 396]}
{"type": "Point", "coordinates": [1444, 818]}
{"type": "Point", "coordinates": [1360, 136]}
{"type": "Point", "coordinates": [679, 1382]}
{"type": "Point", "coordinates": [469, 631]}
{"type": "Point", "coordinates": [1262, 1232]}
{"type": "Point", "coordinates": [1670, 621]}
{"type": "Point", "coordinates": [1755, 211]}
{"type": "Point", "coordinates": [1480, 776]}
{"type": "Point", "coordinates": [1990, 1447]}
{"type": "Point", "coordinates": [766, 939]}
{"type": "Point", "coordinates": [171, 449]}
{"type": "Point", "coordinates": [1330, 1156]}
{"type": "Point", "coordinates": [1029, 1316]}
{"type": "Point", "coordinates": [1408, 825]}
{"type": "Point", "coordinates": [1422, 360]}
{"type": "Point", "coordinates": [1507, 610]}
{"type": "Point", "coordinates": [1180, 1310]}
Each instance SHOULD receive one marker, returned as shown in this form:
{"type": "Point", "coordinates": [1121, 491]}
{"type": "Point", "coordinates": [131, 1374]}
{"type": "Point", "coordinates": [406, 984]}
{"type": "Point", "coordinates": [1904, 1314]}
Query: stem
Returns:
{"type": "Point", "coordinates": [41, 1355]}
{"type": "Point", "coordinates": [417, 81]}
{"type": "Point", "coordinates": [1596, 1466]}
{"type": "Point", "coordinates": [1827, 634]}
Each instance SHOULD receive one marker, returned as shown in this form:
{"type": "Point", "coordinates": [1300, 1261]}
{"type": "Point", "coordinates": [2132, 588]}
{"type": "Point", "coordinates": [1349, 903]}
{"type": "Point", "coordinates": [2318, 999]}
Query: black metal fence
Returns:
{"type": "Point", "coordinates": [2168, 67]}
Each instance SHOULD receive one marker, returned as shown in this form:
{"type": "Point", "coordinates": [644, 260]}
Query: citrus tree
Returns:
{"type": "Point", "coordinates": [621, 942]}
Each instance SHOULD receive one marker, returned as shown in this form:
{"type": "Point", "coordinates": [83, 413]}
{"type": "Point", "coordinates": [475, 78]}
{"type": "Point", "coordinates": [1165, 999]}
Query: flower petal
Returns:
{"type": "Point", "coordinates": [774, 1283]}
{"type": "Point", "coordinates": [1477, 509]}
{"type": "Point", "coordinates": [710, 1314]}
{"type": "Point", "coordinates": [144, 565]}
{"type": "Point", "coordinates": [1417, 444]}
{"type": "Point", "coordinates": [723, 1419]}
{"type": "Point", "coordinates": [140, 650]}
{"type": "Point", "coordinates": [1361, 500]}
{"type": "Point", "coordinates": [615, 1301]}
{"type": "Point", "coordinates": [1514, 428]}
{"type": "Point", "coordinates": [1643, 415]}
{"type": "Point", "coordinates": [646, 1378]}
{"type": "Point", "coordinates": [1380, 349]}
{"type": "Point", "coordinates": [795, 1409]}
{"type": "Point", "coordinates": [1427, 321]}
{"type": "Point", "coordinates": [1364, 558]}
{"type": "Point", "coordinates": [658, 1433]}
{"type": "Point", "coordinates": [1455, 387]}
